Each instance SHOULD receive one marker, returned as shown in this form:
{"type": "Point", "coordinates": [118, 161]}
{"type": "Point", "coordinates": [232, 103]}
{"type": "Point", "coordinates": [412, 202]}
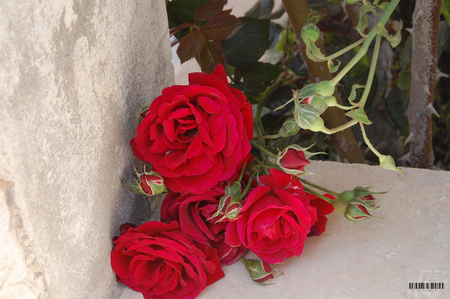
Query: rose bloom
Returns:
{"type": "Point", "coordinates": [275, 219]}
{"type": "Point", "coordinates": [196, 135]}
{"type": "Point", "coordinates": [323, 208]}
{"type": "Point", "coordinates": [160, 261]}
{"type": "Point", "coordinates": [194, 213]}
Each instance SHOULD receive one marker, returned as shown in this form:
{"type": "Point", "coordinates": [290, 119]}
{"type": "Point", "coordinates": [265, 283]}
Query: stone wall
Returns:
{"type": "Point", "coordinates": [72, 77]}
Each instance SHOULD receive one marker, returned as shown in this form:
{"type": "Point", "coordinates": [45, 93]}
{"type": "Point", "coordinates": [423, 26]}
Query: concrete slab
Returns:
{"type": "Point", "coordinates": [376, 258]}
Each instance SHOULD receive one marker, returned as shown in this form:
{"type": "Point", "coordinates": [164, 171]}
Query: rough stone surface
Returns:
{"type": "Point", "coordinates": [72, 79]}
{"type": "Point", "coordinates": [375, 258]}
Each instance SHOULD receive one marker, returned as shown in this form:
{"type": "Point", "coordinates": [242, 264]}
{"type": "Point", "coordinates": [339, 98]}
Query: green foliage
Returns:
{"type": "Point", "coordinates": [213, 36]}
{"type": "Point", "coordinates": [249, 44]}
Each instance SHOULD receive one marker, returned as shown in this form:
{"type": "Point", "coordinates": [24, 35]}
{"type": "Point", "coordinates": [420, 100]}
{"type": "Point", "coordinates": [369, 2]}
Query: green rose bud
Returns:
{"type": "Point", "coordinates": [355, 204]}
{"type": "Point", "coordinates": [258, 270]}
{"type": "Point", "coordinates": [310, 32]}
{"type": "Point", "coordinates": [387, 162]}
{"type": "Point", "coordinates": [325, 88]}
{"type": "Point", "coordinates": [318, 125]}
{"type": "Point", "coordinates": [289, 128]}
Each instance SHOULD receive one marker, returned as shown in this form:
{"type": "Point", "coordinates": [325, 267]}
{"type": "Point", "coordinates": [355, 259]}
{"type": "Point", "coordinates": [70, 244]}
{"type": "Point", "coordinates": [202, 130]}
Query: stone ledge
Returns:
{"type": "Point", "coordinates": [375, 258]}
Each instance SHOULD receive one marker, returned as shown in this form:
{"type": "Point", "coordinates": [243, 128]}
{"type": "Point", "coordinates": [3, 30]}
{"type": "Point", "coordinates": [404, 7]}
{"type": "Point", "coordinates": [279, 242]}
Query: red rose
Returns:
{"type": "Point", "coordinates": [196, 135]}
{"type": "Point", "coordinates": [323, 208]}
{"type": "Point", "coordinates": [275, 219]}
{"type": "Point", "coordinates": [194, 213]}
{"type": "Point", "coordinates": [160, 261]}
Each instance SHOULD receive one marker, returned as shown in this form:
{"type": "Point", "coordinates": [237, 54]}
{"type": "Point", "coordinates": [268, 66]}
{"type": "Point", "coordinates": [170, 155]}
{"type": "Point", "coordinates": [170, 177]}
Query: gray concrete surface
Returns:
{"type": "Point", "coordinates": [72, 77]}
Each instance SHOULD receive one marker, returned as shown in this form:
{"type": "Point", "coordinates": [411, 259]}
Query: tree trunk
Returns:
{"type": "Point", "coordinates": [344, 141]}
{"type": "Point", "coordinates": [423, 76]}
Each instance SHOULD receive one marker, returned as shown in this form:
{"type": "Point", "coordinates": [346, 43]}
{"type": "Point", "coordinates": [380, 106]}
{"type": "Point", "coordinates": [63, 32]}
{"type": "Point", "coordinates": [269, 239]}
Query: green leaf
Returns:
{"type": "Point", "coordinates": [191, 45]}
{"type": "Point", "coordinates": [274, 33]}
{"type": "Point", "coordinates": [396, 104]}
{"type": "Point", "coordinates": [257, 76]}
{"type": "Point", "coordinates": [406, 53]}
{"type": "Point", "coordinates": [353, 93]}
{"type": "Point", "coordinates": [404, 79]}
{"type": "Point", "coordinates": [333, 68]}
{"type": "Point", "coordinates": [222, 27]}
{"type": "Point", "coordinates": [444, 33]}
{"type": "Point", "coordinates": [445, 10]}
{"type": "Point", "coordinates": [397, 38]}
{"type": "Point", "coordinates": [208, 10]}
{"type": "Point", "coordinates": [383, 5]}
{"type": "Point", "coordinates": [180, 11]}
{"type": "Point", "coordinates": [313, 52]}
{"type": "Point", "coordinates": [351, 2]}
{"type": "Point", "coordinates": [211, 55]}
{"type": "Point", "coordinates": [362, 23]}
{"type": "Point", "coordinates": [261, 10]}
{"type": "Point", "coordinates": [249, 44]}
{"type": "Point", "coordinates": [359, 115]}
{"type": "Point", "coordinates": [295, 64]}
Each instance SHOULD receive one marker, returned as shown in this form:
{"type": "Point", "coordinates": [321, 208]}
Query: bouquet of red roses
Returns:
{"type": "Point", "coordinates": [227, 194]}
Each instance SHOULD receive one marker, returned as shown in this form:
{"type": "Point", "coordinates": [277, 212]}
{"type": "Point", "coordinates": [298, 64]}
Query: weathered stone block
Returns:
{"type": "Point", "coordinates": [73, 77]}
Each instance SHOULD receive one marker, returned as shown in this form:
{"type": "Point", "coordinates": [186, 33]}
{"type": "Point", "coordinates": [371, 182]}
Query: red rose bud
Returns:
{"type": "Point", "coordinates": [152, 183]}
{"type": "Point", "coordinates": [142, 114]}
{"type": "Point", "coordinates": [292, 160]}
{"type": "Point", "coordinates": [228, 208]}
{"type": "Point", "coordinates": [258, 270]}
{"type": "Point", "coordinates": [356, 203]}
{"type": "Point", "coordinates": [148, 183]}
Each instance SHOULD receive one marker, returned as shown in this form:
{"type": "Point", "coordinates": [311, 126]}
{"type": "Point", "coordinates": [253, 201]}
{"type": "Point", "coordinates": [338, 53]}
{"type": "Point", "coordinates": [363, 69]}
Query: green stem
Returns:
{"type": "Point", "coordinates": [263, 150]}
{"type": "Point", "coordinates": [367, 141]}
{"type": "Point", "coordinates": [344, 107]}
{"type": "Point", "coordinates": [318, 195]}
{"type": "Point", "coordinates": [267, 136]}
{"type": "Point", "coordinates": [244, 193]}
{"type": "Point", "coordinates": [318, 187]}
{"type": "Point", "coordinates": [345, 50]}
{"type": "Point", "coordinates": [365, 47]}
{"type": "Point", "coordinates": [340, 128]}
{"type": "Point", "coordinates": [373, 66]}
{"type": "Point", "coordinates": [262, 98]}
